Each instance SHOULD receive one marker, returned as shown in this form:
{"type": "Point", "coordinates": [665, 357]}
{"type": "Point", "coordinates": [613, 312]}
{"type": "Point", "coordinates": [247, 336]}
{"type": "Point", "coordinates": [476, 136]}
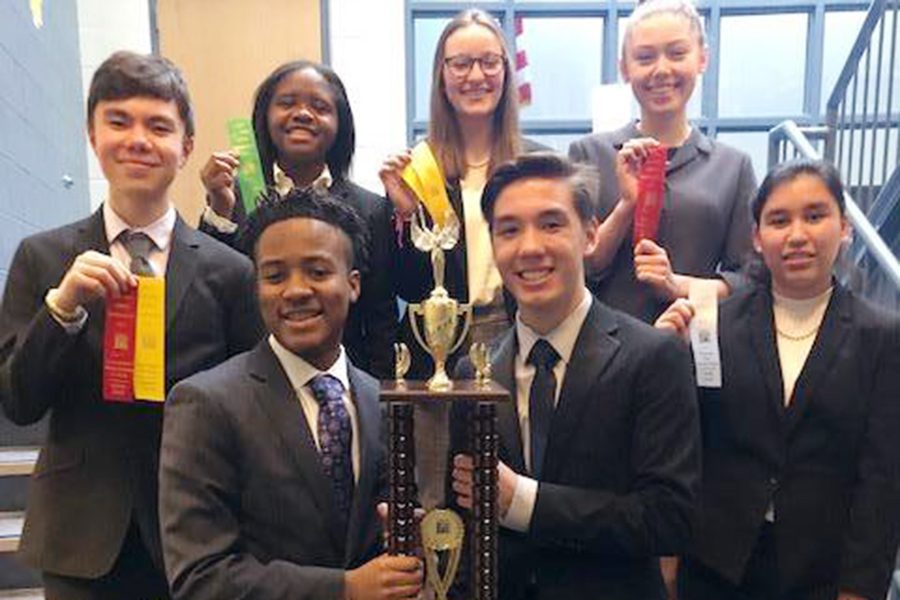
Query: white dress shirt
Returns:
{"type": "Point", "coordinates": [563, 340]}
{"type": "Point", "coordinates": [160, 231]}
{"type": "Point", "coordinates": [300, 373]}
{"type": "Point", "coordinates": [283, 185]}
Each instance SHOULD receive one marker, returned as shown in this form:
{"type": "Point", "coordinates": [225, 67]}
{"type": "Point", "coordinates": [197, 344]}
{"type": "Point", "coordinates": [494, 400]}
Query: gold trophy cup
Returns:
{"type": "Point", "coordinates": [440, 313]}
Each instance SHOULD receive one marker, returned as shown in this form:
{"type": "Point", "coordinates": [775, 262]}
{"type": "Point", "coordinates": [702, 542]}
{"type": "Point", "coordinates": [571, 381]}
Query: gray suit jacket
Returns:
{"type": "Point", "coordinates": [705, 220]}
{"type": "Point", "coordinates": [245, 507]}
{"type": "Point", "coordinates": [621, 470]}
{"type": "Point", "coordinates": [97, 471]}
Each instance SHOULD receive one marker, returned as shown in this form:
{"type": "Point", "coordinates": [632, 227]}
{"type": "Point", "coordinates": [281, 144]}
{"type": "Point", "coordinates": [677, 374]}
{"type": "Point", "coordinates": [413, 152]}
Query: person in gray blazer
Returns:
{"type": "Point", "coordinates": [704, 229]}
{"type": "Point", "coordinates": [91, 522]}
{"type": "Point", "coordinates": [600, 445]}
{"type": "Point", "coordinates": [271, 463]}
{"type": "Point", "coordinates": [801, 460]}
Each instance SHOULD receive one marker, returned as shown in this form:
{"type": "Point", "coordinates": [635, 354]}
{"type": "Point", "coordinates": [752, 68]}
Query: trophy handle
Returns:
{"type": "Point", "coordinates": [417, 310]}
{"type": "Point", "coordinates": [467, 323]}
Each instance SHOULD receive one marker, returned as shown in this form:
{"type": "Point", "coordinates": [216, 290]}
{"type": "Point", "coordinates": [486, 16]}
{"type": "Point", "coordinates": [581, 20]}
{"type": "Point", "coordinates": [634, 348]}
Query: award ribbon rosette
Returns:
{"type": "Point", "coordinates": [134, 344]}
{"type": "Point", "coordinates": [651, 194]}
{"type": "Point", "coordinates": [424, 176]}
{"type": "Point", "coordinates": [250, 175]}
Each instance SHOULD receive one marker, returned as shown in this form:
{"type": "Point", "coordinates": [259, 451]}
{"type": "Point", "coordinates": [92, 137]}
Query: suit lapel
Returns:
{"type": "Point", "coordinates": [762, 336]}
{"type": "Point", "coordinates": [92, 236]}
{"type": "Point", "coordinates": [180, 268]}
{"type": "Point", "coordinates": [507, 412]}
{"type": "Point", "coordinates": [279, 401]}
{"type": "Point", "coordinates": [594, 350]}
{"type": "Point", "coordinates": [835, 331]}
{"type": "Point", "coordinates": [368, 419]}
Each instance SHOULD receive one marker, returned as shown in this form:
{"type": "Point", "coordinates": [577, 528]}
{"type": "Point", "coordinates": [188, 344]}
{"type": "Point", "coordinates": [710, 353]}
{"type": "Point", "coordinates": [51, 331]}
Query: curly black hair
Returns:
{"type": "Point", "coordinates": [306, 203]}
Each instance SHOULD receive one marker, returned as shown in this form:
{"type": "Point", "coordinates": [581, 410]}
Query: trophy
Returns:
{"type": "Point", "coordinates": [420, 415]}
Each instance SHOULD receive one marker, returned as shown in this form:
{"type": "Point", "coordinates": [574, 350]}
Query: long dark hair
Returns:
{"type": "Point", "coordinates": [780, 175]}
{"type": "Point", "coordinates": [340, 155]}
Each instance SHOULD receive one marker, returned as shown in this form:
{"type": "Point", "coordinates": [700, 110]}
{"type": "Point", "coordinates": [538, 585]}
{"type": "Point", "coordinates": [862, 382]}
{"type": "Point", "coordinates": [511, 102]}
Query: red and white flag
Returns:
{"type": "Point", "coordinates": [523, 75]}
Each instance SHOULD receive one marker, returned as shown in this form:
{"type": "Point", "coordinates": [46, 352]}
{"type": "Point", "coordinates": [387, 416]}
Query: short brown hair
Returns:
{"type": "Point", "coordinates": [129, 74]}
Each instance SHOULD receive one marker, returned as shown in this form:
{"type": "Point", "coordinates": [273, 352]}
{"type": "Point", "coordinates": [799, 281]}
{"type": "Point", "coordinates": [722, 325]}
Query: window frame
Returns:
{"type": "Point", "coordinates": [611, 11]}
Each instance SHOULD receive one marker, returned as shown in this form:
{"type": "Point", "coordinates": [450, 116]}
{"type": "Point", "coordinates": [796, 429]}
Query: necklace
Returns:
{"type": "Point", "coordinates": [799, 336]}
{"type": "Point", "coordinates": [478, 165]}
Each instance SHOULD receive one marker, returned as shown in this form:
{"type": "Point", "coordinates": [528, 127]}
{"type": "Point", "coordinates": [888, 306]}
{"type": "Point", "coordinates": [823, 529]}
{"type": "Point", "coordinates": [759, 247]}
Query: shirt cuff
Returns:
{"type": "Point", "coordinates": [71, 325]}
{"type": "Point", "coordinates": [218, 222]}
{"type": "Point", "coordinates": [518, 517]}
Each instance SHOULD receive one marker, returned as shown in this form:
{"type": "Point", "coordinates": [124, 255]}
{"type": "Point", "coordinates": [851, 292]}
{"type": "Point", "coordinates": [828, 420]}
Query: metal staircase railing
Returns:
{"type": "Point", "coordinates": [863, 112]}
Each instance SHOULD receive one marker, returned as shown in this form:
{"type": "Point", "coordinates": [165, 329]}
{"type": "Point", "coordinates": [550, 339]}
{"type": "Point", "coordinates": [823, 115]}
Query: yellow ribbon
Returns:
{"type": "Point", "coordinates": [425, 178]}
{"type": "Point", "coordinates": [150, 340]}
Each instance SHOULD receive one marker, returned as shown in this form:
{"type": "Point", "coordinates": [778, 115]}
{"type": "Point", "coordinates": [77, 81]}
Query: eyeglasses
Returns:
{"type": "Point", "coordinates": [461, 65]}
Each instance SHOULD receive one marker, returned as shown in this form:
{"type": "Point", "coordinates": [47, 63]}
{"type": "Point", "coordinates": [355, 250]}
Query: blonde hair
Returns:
{"type": "Point", "coordinates": [682, 8]}
{"type": "Point", "coordinates": [444, 134]}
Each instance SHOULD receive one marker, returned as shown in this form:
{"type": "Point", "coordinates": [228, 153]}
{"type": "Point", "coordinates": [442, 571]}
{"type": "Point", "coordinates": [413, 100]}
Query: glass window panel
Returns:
{"type": "Point", "coordinates": [841, 29]}
{"type": "Point", "coordinates": [694, 104]}
{"type": "Point", "coordinates": [426, 32]}
{"type": "Point", "coordinates": [564, 64]}
{"type": "Point", "coordinates": [754, 143]}
{"type": "Point", "coordinates": [762, 65]}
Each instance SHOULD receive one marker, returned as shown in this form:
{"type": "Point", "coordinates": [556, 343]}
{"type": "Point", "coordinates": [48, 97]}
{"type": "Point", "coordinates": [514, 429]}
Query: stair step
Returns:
{"type": "Point", "coordinates": [10, 530]}
{"type": "Point", "coordinates": [32, 594]}
{"type": "Point", "coordinates": [17, 460]}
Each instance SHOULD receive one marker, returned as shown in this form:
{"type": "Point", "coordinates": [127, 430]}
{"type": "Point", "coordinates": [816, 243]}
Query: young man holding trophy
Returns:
{"type": "Point", "coordinates": [599, 449]}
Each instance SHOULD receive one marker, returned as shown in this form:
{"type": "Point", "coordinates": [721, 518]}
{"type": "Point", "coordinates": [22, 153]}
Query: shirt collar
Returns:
{"type": "Point", "coordinates": [695, 139]}
{"type": "Point", "coordinates": [160, 230]}
{"type": "Point", "coordinates": [562, 338]}
{"type": "Point", "coordinates": [300, 372]}
{"type": "Point", "coordinates": [284, 184]}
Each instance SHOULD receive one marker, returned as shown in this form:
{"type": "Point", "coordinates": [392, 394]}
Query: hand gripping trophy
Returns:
{"type": "Point", "coordinates": [419, 416]}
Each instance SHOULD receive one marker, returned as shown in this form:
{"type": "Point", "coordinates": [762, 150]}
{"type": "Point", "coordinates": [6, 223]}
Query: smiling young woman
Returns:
{"type": "Point", "coordinates": [306, 138]}
{"type": "Point", "coordinates": [473, 128]}
{"type": "Point", "coordinates": [800, 452]}
{"type": "Point", "coordinates": [704, 226]}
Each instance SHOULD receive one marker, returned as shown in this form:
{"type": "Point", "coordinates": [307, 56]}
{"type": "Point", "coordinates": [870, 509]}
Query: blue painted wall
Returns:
{"type": "Point", "coordinates": [42, 133]}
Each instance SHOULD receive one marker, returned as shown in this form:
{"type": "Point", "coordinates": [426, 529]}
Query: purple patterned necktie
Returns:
{"type": "Point", "coordinates": [335, 439]}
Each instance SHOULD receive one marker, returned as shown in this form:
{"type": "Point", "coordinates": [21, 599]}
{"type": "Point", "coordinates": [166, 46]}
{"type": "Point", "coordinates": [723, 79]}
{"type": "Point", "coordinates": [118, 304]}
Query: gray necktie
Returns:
{"type": "Point", "coordinates": [138, 246]}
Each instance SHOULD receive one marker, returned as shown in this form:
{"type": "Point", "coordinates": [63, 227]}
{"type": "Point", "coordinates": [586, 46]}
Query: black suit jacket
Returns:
{"type": "Point", "coordinates": [621, 469]}
{"type": "Point", "coordinates": [97, 470]}
{"type": "Point", "coordinates": [246, 509]}
{"type": "Point", "coordinates": [371, 328]}
{"type": "Point", "coordinates": [830, 462]}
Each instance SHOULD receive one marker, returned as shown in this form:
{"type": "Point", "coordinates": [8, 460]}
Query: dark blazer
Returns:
{"type": "Point", "coordinates": [245, 507]}
{"type": "Point", "coordinates": [830, 461]}
{"type": "Point", "coordinates": [705, 221]}
{"type": "Point", "coordinates": [97, 470]}
{"type": "Point", "coordinates": [371, 327]}
{"type": "Point", "coordinates": [621, 469]}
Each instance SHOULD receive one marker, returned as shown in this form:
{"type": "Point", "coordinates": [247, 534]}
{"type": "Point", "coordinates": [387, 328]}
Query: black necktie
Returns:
{"type": "Point", "coordinates": [139, 246]}
{"type": "Point", "coordinates": [541, 400]}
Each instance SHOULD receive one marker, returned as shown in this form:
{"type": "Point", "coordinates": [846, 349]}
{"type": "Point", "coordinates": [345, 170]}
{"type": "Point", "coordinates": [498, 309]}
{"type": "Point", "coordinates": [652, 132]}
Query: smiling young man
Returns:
{"type": "Point", "coordinates": [91, 524]}
{"type": "Point", "coordinates": [600, 449]}
{"type": "Point", "coordinates": [272, 462]}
